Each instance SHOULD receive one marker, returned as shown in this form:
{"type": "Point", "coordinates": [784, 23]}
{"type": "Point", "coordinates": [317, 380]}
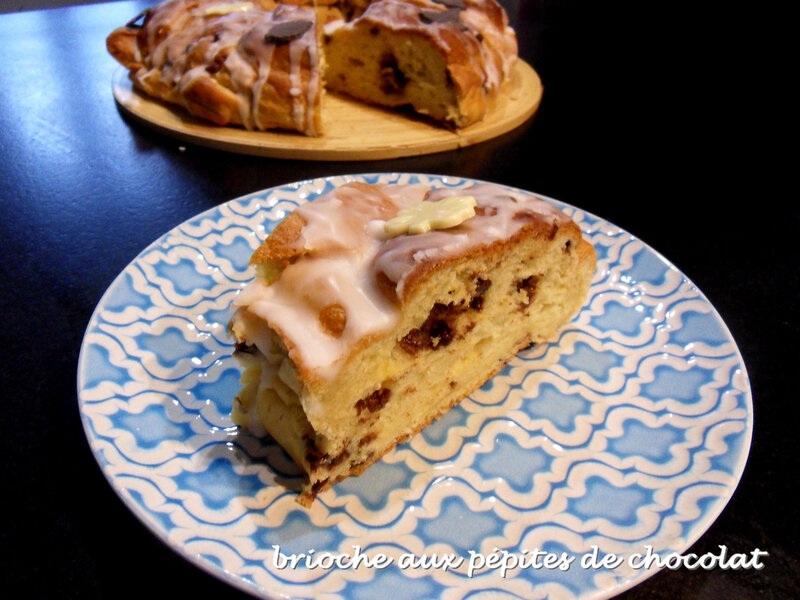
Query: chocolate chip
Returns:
{"type": "Point", "coordinates": [367, 439]}
{"type": "Point", "coordinates": [393, 80]}
{"type": "Point", "coordinates": [436, 332]}
{"type": "Point", "coordinates": [439, 16]}
{"type": "Point", "coordinates": [527, 287]}
{"type": "Point", "coordinates": [481, 287]}
{"type": "Point", "coordinates": [318, 485]}
{"type": "Point", "coordinates": [286, 31]}
{"type": "Point", "coordinates": [374, 401]}
{"type": "Point", "coordinates": [459, 4]}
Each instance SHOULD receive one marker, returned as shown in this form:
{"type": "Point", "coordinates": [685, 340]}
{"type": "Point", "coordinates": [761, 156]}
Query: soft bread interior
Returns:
{"type": "Point", "coordinates": [392, 69]}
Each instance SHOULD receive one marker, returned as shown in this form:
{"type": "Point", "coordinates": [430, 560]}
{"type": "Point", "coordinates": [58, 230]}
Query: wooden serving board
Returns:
{"type": "Point", "coordinates": [353, 131]}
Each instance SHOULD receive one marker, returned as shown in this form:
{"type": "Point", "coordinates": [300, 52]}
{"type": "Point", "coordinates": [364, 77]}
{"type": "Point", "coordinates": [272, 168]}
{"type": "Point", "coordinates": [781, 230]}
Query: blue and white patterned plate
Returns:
{"type": "Point", "coordinates": [628, 436]}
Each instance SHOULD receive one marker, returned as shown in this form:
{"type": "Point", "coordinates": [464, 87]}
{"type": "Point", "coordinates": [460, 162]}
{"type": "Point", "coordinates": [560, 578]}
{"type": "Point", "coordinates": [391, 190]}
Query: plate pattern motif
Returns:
{"type": "Point", "coordinates": [631, 431]}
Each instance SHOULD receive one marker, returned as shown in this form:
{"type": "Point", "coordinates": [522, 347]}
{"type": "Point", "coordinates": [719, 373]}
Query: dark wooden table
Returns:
{"type": "Point", "coordinates": [646, 121]}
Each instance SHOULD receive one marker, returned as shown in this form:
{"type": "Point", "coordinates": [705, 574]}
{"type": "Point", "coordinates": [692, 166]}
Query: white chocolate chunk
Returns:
{"type": "Point", "coordinates": [424, 216]}
{"type": "Point", "coordinates": [226, 8]}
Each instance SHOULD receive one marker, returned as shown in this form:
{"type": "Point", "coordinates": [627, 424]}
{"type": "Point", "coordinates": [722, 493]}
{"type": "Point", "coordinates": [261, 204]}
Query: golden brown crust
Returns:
{"type": "Point", "coordinates": [280, 245]}
{"type": "Point", "coordinates": [535, 228]}
{"type": "Point", "coordinates": [207, 99]}
{"type": "Point", "coordinates": [179, 54]}
{"type": "Point", "coordinates": [121, 44]}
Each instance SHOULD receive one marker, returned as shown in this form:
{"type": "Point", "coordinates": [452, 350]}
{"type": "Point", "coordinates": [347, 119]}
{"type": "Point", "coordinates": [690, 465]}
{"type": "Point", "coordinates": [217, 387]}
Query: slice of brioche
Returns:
{"type": "Point", "coordinates": [445, 60]}
{"type": "Point", "coordinates": [352, 341]}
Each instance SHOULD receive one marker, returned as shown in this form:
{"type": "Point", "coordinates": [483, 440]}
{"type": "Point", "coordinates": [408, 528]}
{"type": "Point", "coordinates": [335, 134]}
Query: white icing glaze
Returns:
{"type": "Point", "coordinates": [252, 45]}
{"type": "Point", "coordinates": [345, 253]}
{"type": "Point", "coordinates": [490, 43]}
{"type": "Point", "coordinates": [249, 61]}
{"type": "Point", "coordinates": [498, 48]}
{"type": "Point", "coordinates": [314, 85]}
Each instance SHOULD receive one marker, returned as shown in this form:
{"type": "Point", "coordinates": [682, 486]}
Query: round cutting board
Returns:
{"type": "Point", "coordinates": [353, 131]}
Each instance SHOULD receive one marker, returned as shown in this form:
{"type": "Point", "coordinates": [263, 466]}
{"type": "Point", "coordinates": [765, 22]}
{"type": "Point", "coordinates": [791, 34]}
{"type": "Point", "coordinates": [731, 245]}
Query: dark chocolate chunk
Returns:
{"type": "Point", "coordinates": [245, 348]}
{"type": "Point", "coordinates": [393, 80]}
{"type": "Point", "coordinates": [218, 61]}
{"type": "Point", "coordinates": [436, 332]}
{"type": "Point", "coordinates": [339, 458]}
{"type": "Point", "coordinates": [481, 287]}
{"type": "Point", "coordinates": [527, 287]}
{"type": "Point", "coordinates": [374, 401]}
{"type": "Point", "coordinates": [439, 16]}
{"type": "Point", "coordinates": [286, 31]}
{"type": "Point", "coordinates": [313, 454]}
{"type": "Point", "coordinates": [367, 439]}
{"type": "Point", "coordinates": [318, 485]}
{"type": "Point", "coordinates": [441, 333]}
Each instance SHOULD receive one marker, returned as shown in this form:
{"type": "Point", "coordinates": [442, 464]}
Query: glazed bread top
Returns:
{"type": "Point", "coordinates": [331, 276]}
{"type": "Point", "coordinates": [182, 45]}
{"type": "Point", "coordinates": [260, 64]}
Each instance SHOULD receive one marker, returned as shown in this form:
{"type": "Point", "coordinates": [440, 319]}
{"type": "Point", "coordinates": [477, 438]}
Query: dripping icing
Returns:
{"type": "Point", "coordinates": [345, 254]}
